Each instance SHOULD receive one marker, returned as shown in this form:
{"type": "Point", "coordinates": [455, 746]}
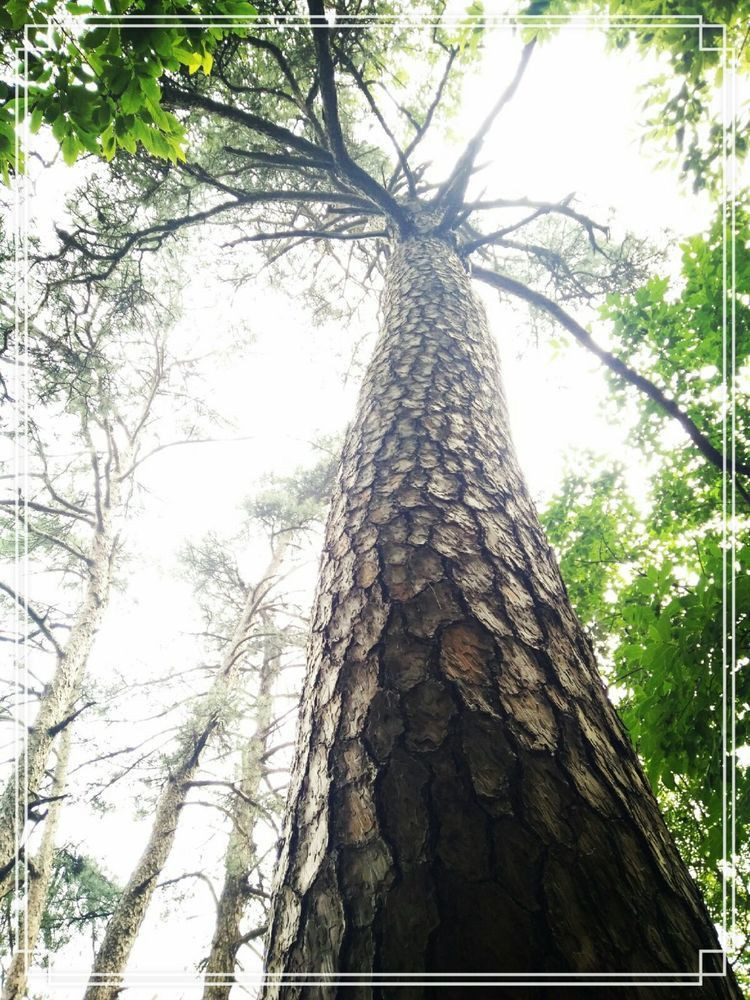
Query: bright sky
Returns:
{"type": "Point", "coordinates": [573, 126]}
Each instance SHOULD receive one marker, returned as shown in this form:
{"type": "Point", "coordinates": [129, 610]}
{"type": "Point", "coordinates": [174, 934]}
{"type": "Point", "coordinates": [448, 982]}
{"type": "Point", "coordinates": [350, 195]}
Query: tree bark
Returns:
{"type": "Point", "coordinates": [60, 695]}
{"type": "Point", "coordinates": [241, 854]}
{"type": "Point", "coordinates": [124, 924]}
{"type": "Point", "coordinates": [39, 874]}
{"type": "Point", "coordinates": [464, 797]}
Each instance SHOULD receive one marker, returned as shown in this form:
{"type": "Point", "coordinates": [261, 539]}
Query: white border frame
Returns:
{"type": "Point", "coordinates": [176, 980]}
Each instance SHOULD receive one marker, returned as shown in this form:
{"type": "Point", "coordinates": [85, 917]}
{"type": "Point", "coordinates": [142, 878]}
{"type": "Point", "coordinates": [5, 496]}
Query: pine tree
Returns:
{"type": "Point", "coordinates": [464, 798]}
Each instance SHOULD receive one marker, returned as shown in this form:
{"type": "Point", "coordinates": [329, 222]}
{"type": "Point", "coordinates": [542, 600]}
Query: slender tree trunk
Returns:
{"type": "Point", "coordinates": [124, 924]}
{"type": "Point", "coordinates": [39, 874]}
{"type": "Point", "coordinates": [58, 699]}
{"type": "Point", "coordinates": [241, 855]}
{"type": "Point", "coordinates": [464, 797]}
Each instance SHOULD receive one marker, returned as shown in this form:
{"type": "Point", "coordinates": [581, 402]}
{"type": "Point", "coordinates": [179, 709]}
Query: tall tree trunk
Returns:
{"type": "Point", "coordinates": [241, 854]}
{"type": "Point", "coordinates": [124, 924]}
{"type": "Point", "coordinates": [59, 696]}
{"type": "Point", "coordinates": [39, 874]}
{"type": "Point", "coordinates": [464, 797]}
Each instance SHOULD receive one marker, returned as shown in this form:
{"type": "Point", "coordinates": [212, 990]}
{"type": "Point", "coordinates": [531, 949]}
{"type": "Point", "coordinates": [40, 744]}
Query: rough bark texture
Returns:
{"type": "Point", "coordinates": [241, 854]}
{"type": "Point", "coordinates": [125, 923]}
{"type": "Point", "coordinates": [60, 694]}
{"type": "Point", "coordinates": [464, 797]}
{"type": "Point", "coordinates": [39, 874]}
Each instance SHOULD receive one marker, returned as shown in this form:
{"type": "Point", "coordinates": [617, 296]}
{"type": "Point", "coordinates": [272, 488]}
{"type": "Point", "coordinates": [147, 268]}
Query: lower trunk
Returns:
{"type": "Point", "coordinates": [240, 856]}
{"type": "Point", "coordinates": [39, 874]}
{"type": "Point", "coordinates": [464, 798]}
{"type": "Point", "coordinates": [125, 923]}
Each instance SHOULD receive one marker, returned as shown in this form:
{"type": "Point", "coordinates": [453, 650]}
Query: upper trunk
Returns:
{"type": "Point", "coordinates": [464, 798]}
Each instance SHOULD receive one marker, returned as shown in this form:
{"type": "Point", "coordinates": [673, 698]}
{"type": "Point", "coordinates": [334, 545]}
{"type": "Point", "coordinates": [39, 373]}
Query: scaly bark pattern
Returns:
{"type": "Point", "coordinates": [464, 797]}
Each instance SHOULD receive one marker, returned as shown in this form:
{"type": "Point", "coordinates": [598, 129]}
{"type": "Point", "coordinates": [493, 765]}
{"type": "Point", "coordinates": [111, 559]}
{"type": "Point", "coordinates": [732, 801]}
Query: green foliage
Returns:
{"type": "Point", "coordinates": [300, 499]}
{"type": "Point", "coordinates": [79, 893]}
{"type": "Point", "coordinates": [93, 78]}
{"type": "Point", "coordinates": [679, 340]}
{"type": "Point", "coordinates": [649, 581]}
{"type": "Point", "coordinates": [593, 523]}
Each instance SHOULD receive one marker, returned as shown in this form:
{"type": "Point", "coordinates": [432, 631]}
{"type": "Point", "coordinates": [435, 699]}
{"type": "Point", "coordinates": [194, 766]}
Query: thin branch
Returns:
{"type": "Point", "coordinates": [181, 878]}
{"type": "Point", "coordinates": [42, 509]}
{"type": "Point", "coordinates": [308, 234]}
{"type": "Point", "coordinates": [542, 207]}
{"type": "Point", "coordinates": [176, 444]}
{"type": "Point", "coordinates": [423, 128]}
{"type": "Point", "coordinates": [278, 159]}
{"type": "Point", "coordinates": [256, 932]}
{"type": "Point", "coordinates": [451, 193]}
{"type": "Point", "coordinates": [54, 730]}
{"type": "Point", "coordinates": [615, 364]}
{"type": "Point", "coordinates": [205, 782]}
{"type": "Point", "coordinates": [362, 84]}
{"type": "Point", "coordinates": [37, 619]}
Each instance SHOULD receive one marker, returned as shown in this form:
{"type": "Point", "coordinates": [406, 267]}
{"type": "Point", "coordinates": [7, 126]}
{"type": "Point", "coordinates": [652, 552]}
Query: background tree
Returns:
{"type": "Point", "coordinates": [103, 379]}
{"type": "Point", "coordinates": [83, 527]}
{"type": "Point", "coordinates": [207, 718]}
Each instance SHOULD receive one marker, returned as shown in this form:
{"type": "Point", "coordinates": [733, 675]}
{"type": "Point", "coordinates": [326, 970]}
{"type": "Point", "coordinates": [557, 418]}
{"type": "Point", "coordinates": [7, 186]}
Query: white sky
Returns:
{"type": "Point", "coordinates": [573, 126]}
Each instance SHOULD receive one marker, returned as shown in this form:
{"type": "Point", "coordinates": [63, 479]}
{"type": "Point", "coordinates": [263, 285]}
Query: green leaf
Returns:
{"type": "Point", "coordinates": [192, 60]}
{"type": "Point", "coordinates": [59, 127]}
{"type": "Point", "coordinates": [70, 149]}
{"type": "Point", "coordinates": [132, 99]}
{"type": "Point", "coordinates": [37, 117]}
{"type": "Point", "coordinates": [150, 88]}
{"type": "Point", "coordinates": [108, 142]}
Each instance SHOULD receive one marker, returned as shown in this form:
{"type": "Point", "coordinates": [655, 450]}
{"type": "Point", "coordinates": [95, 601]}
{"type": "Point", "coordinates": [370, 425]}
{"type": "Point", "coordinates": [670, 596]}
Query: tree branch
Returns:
{"type": "Point", "coordinates": [615, 364]}
{"type": "Point", "coordinates": [308, 234]}
{"type": "Point", "coordinates": [542, 208]}
{"type": "Point", "coordinates": [280, 135]}
{"type": "Point", "coordinates": [345, 164]}
{"type": "Point", "coordinates": [42, 509]}
{"type": "Point", "coordinates": [37, 619]}
{"type": "Point", "coordinates": [424, 127]}
{"type": "Point", "coordinates": [450, 195]}
{"type": "Point", "coordinates": [402, 159]}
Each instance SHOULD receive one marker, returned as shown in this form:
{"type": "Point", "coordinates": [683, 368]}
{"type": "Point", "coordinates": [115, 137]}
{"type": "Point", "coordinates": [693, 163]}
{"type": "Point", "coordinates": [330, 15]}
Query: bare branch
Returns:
{"type": "Point", "coordinates": [38, 619]}
{"type": "Point", "coordinates": [615, 364]}
{"type": "Point", "coordinates": [542, 208]}
{"type": "Point", "coordinates": [424, 127]}
{"type": "Point", "coordinates": [451, 193]}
